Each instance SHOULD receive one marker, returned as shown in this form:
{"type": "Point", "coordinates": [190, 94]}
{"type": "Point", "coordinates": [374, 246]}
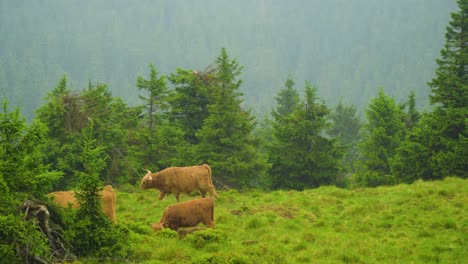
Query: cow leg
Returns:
{"type": "Point", "coordinates": [176, 194]}
{"type": "Point", "coordinates": [161, 195]}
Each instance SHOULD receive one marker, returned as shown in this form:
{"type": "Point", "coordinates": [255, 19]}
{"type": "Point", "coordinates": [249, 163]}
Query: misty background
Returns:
{"type": "Point", "coordinates": [347, 48]}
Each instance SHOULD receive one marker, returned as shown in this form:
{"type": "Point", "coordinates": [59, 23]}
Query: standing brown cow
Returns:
{"type": "Point", "coordinates": [178, 180]}
{"type": "Point", "coordinates": [108, 199]}
{"type": "Point", "coordinates": [187, 214]}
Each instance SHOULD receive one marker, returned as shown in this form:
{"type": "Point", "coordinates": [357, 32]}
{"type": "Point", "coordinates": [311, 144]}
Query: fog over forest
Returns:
{"type": "Point", "coordinates": [347, 48]}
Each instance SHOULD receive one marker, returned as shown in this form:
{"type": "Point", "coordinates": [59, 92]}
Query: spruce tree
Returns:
{"type": "Point", "coordinates": [22, 160]}
{"type": "Point", "coordinates": [67, 113]}
{"type": "Point", "coordinates": [411, 160]}
{"type": "Point", "coordinates": [449, 154]}
{"type": "Point", "coordinates": [159, 144]}
{"type": "Point", "coordinates": [92, 233]}
{"type": "Point", "coordinates": [23, 176]}
{"type": "Point", "coordinates": [226, 138]}
{"type": "Point", "coordinates": [287, 99]}
{"type": "Point", "coordinates": [412, 114]}
{"type": "Point", "coordinates": [301, 156]}
{"type": "Point", "coordinates": [156, 101]}
{"type": "Point", "coordinates": [345, 127]}
{"type": "Point", "coordinates": [382, 135]}
{"type": "Point", "coordinates": [189, 103]}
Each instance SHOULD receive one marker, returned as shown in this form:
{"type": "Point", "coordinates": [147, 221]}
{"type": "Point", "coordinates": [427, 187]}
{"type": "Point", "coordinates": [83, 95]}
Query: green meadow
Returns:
{"type": "Point", "coordinates": [424, 222]}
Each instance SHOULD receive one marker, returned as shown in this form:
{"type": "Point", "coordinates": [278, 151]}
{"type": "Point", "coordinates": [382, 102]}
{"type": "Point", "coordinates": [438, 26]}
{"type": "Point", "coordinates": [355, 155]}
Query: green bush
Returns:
{"type": "Point", "coordinates": [222, 258]}
{"type": "Point", "coordinates": [167, 233]}
{"type": "Point", "coordinates": [202, 238]}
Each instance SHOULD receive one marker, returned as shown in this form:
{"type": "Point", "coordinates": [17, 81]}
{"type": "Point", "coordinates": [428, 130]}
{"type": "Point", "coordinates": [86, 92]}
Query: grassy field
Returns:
{"type": "Point", "coordinates": [424, 222]}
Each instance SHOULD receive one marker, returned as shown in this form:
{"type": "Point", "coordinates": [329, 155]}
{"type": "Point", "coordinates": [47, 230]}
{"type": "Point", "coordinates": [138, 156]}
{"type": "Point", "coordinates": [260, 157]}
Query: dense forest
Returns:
{"type": "Point", "coordinates": [82, 136]}
{"type": "Point", "coordinates": [346, 48]}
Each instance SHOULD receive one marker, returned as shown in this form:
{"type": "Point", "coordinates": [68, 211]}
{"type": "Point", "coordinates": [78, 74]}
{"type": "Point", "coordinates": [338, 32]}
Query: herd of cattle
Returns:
{"type": "Point", "coordinates": [175, 180]}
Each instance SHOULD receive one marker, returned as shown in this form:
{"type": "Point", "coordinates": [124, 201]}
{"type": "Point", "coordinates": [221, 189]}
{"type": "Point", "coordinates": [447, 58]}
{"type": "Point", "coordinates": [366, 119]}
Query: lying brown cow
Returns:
{"type": "Point", "coordinates": [178, 180]}
{"type": "Point", "coordinates": [187, 214]}
{"type": "Point", "coordinates": [108, 198]}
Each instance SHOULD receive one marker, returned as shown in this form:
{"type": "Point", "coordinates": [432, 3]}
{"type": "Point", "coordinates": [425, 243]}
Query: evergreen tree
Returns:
{"type": "Point", "coordinates": [226, 138]}
{"type": "Point", "coordinates": [156, 102]}
{"type": "Point", "coordinates": [159, 143]}
{"type": "Point", "coordinates": [345, 127]}
{"type": "Point", "coordinates": [67, 113]}
{"type": "Point", "coordinates": [287, 102]}
{"type": "Point", "coordinates": [23, 175]}
{"type": "Point", "coordinates": [449, 98]}
{"type": "Point", "coordinates": [301, 156]}
{"type": "Point", "coordinates": [382, 136]}
{"type": "Point", "coordinates": [22, 161]}
{"type": "Point", "coordinates": [412, 160]}
{"type": "Point", "coordinates": [60, 115]}
{"type": "Point", "coordinates": [92, 233]}
{"type": "Point", "coordinates": [113, 121]}
{"type": "Point", "coordinates": [189, 104]}
{"type": "Point", "coordinates": [412, 115]}
{"type": "Point", "coordinates": [287, 99]}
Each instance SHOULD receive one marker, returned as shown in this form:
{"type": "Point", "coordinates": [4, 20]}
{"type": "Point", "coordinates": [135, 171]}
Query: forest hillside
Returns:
{"type": "Point", "coordinates": [346, 48]}
{"type": "Point", "coordinates": [343, 165]}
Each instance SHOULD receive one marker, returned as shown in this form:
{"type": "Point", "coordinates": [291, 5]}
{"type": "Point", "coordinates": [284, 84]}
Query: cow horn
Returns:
{"type": "Point", "coordinates": [149, 175]}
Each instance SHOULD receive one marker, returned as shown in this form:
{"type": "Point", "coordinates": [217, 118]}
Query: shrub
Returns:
{"type": "Point", "coordinates": [167, 233]}
{"type": "Point", "coordinates": [222, 258]}
{"type": "Point", "coordinates": [201, 238]}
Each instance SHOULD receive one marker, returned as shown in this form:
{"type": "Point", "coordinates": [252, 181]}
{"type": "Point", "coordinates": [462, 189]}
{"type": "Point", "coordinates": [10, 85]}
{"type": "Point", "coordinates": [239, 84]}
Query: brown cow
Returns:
{"type": "Point", "coordinates": [178, 180]}
{"type": "Point", "coordinates": [108, 198]}
{"type": "Point", "coordinates": [187, 214]}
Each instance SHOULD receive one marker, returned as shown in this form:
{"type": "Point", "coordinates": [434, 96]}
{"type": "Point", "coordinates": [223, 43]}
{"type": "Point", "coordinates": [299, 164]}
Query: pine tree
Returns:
{"type": "Point", "coordinates": [159, 144]}
{"type": "Point", "coordinates": [412, 114]}
{"type": "Point", "coordinates": [189, 103]}
{"type": "Point", "coordinates": [92, 233]}
{"type": "Point", "coordinates": [287, 99]}
{"type": "Point", "coordinates": [226, 138]}
{"type": "Point", "coordinates": [382, 136]}
{"type": "Point", "coordinates": [411, 160]}
{"type": "Point", "coordinates": [23, 175]}
{"type": "Point", "coordinates": [449, 98]}
{"type": "Point", "coordinates": [113, 121]}
{"type": "Point", "coordinates": [345, 127]}
{"type": "Point", "coordinates": [67, 113]}
{"type": "Point", "coordinates": [20, 149]}
{"type": "Point", "coordinates": [156, 102]}
{"type": "Point", "coordinates": [301, 156]}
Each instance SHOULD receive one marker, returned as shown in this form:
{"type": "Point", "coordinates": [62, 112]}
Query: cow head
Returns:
{"type": "Point", "coordinates": [157, 227]}
{"type": "Point", "coordinates": [147, 181]}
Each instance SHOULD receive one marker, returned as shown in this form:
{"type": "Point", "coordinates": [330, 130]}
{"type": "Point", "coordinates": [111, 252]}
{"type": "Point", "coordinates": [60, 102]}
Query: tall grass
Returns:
{"type": "Point", "coordinates": [424, 222]}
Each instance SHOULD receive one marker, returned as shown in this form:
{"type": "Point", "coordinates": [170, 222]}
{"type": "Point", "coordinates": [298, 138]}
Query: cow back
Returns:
{"type": "Point", "coordinates": [185, 179]}
{"type": "Point", "coordinates": [189, 213]}
{"type": "Point", "coordinates": [64, 198]}
{"type": "Point", "coordinates": [108, 200]}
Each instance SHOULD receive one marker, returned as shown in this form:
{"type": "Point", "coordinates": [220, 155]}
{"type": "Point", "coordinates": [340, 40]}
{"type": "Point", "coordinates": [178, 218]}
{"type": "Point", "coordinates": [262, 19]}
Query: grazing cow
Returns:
{"type": "Point", "coordinates": [187, 214]}
{"type": "Point", "coordinates": [108, 198]}
{"type": "Point", "coordinates": [178, 180]}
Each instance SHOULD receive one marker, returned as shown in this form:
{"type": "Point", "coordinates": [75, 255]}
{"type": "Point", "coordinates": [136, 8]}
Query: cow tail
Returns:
{"type": "Point", "coordinates": [212, 210]}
